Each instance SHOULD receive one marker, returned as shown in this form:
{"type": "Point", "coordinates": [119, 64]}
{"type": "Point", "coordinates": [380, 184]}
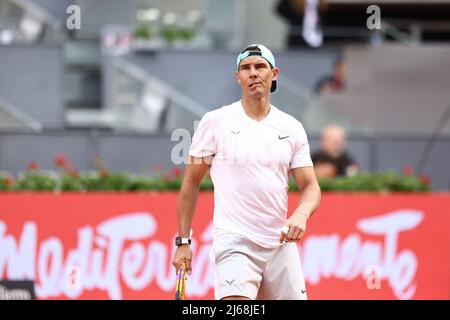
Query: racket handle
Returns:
{"type": "Point", "coordinates": [181, 283]}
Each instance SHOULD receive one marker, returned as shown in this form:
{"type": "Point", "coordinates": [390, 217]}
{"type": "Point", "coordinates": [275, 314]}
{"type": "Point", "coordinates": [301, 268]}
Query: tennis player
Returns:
{"type": "Point", "coordinates": [250, 148]}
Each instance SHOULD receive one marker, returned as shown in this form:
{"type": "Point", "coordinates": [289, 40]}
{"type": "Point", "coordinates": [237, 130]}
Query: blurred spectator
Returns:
{"type": "Point", "coordinates": [304, 18]}
{"type": "Point", "coordinates": [334, 82]}
{"type": "Point", "coordinates": [332, 160]}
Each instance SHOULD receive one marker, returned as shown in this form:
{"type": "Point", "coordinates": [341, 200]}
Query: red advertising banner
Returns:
{"type": "Point", "coordinates": [119, 246]}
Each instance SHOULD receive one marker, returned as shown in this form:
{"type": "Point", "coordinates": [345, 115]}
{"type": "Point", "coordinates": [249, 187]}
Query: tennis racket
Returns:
{"type": "Point", "coordinates": [181, 283]}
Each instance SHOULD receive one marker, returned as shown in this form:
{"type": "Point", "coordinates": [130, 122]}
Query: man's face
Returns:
{"type": "Point", "coordinates": [333, 141]}
{"type": "Point", "coordinates": [255, 76]}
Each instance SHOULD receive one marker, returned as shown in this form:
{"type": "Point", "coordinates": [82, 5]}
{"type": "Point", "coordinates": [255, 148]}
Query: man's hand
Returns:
{"type": "Point", "coordinates": [297, 227]}
{"type": "Point", "coordinates": [183, 254]}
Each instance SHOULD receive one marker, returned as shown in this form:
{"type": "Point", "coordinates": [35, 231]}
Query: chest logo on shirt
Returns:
{"type": "Point", "coordinates": [235, 132]}
{"type": "Point", "coordinates": [283, 137]}
{"type": "Point", "coordinates": [230, 282]}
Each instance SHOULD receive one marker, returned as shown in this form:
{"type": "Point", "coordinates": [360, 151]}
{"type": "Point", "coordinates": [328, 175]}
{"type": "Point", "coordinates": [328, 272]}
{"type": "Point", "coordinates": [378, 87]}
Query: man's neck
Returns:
{"type": "Point", "coordinates": [257, 109]}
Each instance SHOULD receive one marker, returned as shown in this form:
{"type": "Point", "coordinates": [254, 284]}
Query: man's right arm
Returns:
{"type": "Point", "coordinates": [187, 202]}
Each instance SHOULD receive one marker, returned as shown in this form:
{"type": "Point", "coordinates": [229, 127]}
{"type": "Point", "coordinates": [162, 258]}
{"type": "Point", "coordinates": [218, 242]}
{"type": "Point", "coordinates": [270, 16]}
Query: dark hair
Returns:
{"type": "Point", "coordinates": [251, 48]}
{"type": "Point", "coordinates": [257, 49]}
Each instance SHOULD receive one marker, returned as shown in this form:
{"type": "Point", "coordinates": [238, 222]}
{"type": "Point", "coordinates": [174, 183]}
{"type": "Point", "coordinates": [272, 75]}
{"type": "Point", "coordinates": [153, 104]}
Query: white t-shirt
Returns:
{"type": "Point", "coordinates": [250, 168]}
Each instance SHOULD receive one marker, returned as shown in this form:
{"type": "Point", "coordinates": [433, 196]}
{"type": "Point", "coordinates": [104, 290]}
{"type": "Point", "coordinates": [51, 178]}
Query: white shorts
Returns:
{"type": "Point", "coordinates": [243, 268]}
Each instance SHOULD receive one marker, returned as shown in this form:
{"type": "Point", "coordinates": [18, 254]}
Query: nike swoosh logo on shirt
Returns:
{"type": "Point", "coordinates": [281, 138]}
{"type": "Point", "coordinates": [235, 132]}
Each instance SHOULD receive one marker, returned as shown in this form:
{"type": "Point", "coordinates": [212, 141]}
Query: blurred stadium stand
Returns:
{"type": "Point", "coordinates": [73, 92]}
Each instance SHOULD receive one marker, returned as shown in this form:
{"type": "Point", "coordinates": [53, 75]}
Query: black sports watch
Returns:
{"type": "Point", "coordinates": [179, 241]}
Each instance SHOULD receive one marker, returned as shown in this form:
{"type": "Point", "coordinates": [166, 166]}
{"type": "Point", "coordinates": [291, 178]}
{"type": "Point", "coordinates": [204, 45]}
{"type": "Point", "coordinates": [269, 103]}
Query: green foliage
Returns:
{"type": "Point", "coordinates": [5, 183]}
{"type": "Point", "coordinates": [143, 32]}
{"type": "Point", "coordinates": [67, 178]}
{"type": "Point", "coordinates": [206, 184]}
{"type": "Point", "coordinates": [173, 32]}
{"type": "Point", "coordinates": [110, 182]}
{"type": "Point", "coordinates": [186, 33]}
{"type": "Point", "coordinates": [372, 182]}
{"type": "Point", "coordinates": [36, 181]}
{"type": "Point", "coordinates": [170, 33]}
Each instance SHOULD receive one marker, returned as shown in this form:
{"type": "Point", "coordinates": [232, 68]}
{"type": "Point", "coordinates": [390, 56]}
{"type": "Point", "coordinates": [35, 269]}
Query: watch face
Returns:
{"type": "Point", "coordinates": [179, 241]}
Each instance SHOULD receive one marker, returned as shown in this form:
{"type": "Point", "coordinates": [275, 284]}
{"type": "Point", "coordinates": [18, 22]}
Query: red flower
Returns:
{"type": "Point", "coordinates": [60, 160]}
{"type": "Point", "coordinates": [8, 182]}
{"type": "Point", "coordinates": [408, 170]}
{"type": "Point", "coordinates": [426, 180]}
{"type": "Point", "coordinates": [33, 165]}
{"type": "Point", "coordinates": [176, 172]}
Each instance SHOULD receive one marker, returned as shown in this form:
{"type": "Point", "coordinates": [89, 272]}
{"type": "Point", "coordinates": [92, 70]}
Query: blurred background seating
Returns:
{"type": "Point", "coordinates": [137, 70]}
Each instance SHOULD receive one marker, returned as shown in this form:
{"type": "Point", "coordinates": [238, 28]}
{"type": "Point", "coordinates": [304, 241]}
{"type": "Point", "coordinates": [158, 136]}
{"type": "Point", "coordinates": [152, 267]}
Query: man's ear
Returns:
{"type": "Point", "coordinates": [275, 73]}
{"type": "Point", "coordinates": [237, 77]}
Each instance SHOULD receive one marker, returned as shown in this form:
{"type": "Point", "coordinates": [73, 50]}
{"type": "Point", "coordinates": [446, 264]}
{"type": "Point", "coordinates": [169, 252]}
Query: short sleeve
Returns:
{"type": "Point", "coordinates": [203, 142]}
{"type": "Point", "coordinates": [301, 156]}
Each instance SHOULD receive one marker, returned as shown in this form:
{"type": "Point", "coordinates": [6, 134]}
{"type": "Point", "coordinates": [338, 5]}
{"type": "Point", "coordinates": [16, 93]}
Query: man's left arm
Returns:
{"type": "Point", "coordinates": [306, 180]}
